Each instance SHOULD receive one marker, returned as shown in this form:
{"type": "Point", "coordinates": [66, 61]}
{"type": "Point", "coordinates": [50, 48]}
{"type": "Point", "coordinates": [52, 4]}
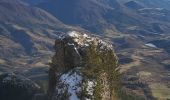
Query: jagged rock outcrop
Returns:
{"type": "Point", "coordinates": [83, 68]}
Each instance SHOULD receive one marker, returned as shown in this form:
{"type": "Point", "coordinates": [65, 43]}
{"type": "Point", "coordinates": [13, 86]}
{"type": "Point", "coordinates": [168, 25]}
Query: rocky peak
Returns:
{"type": "Point", "coordinates": [84, 67]}
{"type": "Point", "coordinates": [82, 40]}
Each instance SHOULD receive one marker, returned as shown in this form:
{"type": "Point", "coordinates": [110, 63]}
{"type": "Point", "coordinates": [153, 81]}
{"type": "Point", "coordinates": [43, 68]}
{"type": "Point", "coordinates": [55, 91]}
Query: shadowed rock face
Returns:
{"type": "Point", "coordinates": [79, 71]}
{"type": "Point", "coordinates": [66, 54]}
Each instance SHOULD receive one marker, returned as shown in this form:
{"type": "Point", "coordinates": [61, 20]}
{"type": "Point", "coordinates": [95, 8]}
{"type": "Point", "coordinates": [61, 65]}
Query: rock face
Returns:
{"type": "Point", "coordinates": [83, 68]}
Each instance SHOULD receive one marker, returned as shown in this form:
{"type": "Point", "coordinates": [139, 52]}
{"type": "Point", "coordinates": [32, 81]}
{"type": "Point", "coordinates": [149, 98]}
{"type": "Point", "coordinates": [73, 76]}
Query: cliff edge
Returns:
{"type": "Point", "coordinates": [83, 68]}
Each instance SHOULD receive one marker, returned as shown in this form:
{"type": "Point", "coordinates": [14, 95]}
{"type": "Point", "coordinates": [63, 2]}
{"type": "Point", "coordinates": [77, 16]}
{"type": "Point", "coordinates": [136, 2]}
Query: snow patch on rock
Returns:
{"type": "Point", "coordinates": [85, 40]}
{"type": "Point", "coordinates": [71, 81]}
{"type": "Point", "coordinates": [90, 87]}
{"type": "Point", "coordinates": [73, 34]}
{"type": "Point", "coordinates": [151, 45]}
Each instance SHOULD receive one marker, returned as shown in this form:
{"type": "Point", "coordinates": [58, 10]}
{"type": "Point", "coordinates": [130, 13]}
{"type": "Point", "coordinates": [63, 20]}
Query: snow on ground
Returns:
{"type": "Point", "coordinates": [72, 81]}
{"type": "Point", "coordinates": [150, 45]}
{"type": "Point", "coordinates": [90, 87]}
{"type": "Point", "coordinates": [85, 40]}
{"type": "Point", "coordinates": [73, 34]}
{"type": "Point", "coordinates": [159, 9]}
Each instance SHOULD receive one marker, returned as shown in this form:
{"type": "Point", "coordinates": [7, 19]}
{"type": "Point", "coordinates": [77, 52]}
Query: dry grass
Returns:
{"type": "Point", "coordinates": [144, 74]}
{"type": "Point", "coordinates": [39, 64]}
{"type": "Point", "coordinates": [128, 66]}
{"type": "Point", "coordinates": [2, 61]}
{"type": "Point", "coordinates": [160, 91]}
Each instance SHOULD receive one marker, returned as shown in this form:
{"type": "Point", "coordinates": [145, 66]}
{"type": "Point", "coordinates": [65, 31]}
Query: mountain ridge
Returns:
{"type": "Point", "coordinates": [138, 29]}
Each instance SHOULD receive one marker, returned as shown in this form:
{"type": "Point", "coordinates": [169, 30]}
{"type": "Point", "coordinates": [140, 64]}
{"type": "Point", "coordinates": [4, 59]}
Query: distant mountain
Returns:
{"type": "Point", "coordinates": [89, 14]}
{"type": "Point", "coordinates": [139, 29]}
{"type": "Point", "coordinates": [151, 3]}
{"type": "Point", "coordinates": [133, 5]}
{"type": "Point", "coordinates": [20, 13]}
{"type": "Point", "coordinates": [34, 2]}
{"type": "Point", "coordinates": [95, 15]}
{"type": "Point", "coordinates": [155, 3]}
{"type": "Point", "coordinates": [26, 31]}
{"type": "Point", "coordinates": [30, 26]}
{"type": "Point", "coordinates": [107, 16]}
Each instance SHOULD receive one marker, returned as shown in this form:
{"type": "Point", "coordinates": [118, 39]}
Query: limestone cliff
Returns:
{"type": "Point", "coordinates": [83, 68]}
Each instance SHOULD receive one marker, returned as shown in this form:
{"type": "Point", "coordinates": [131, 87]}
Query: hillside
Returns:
{"type": "Point", "coordinates": [108, 17]}
{"type": "Point", "coordinates": [138, 29]}
{"type": "Point", "coordinates": [26, 31]}
{"type": "Point", "coordinates": [27, 36]}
